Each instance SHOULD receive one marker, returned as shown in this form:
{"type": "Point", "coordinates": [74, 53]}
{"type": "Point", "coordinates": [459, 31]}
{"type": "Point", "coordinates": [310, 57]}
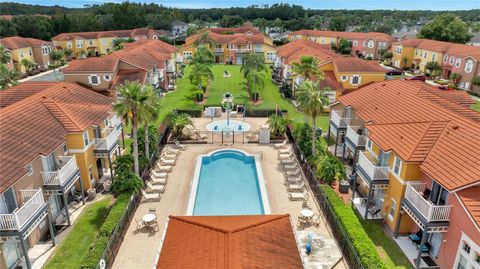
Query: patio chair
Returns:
{"type": "Point", "coordinates": [171, 150]}
{"type": "Point", "coordinates": [302, 221]}
{"type": "Point", "coordinates": [374, 211]}
{"type": "Point", "coordinates": [296, 186]}
{"type": "Point", "coordinates": [168, 156]}
{"type": "Point", "coordinates": [416, 237]}
{"type": "Point", "coordinates": [152, 211]}
{"type": "Point", "coordinates": [159, 181]}
{"type": "Point", "coordinates": [293, 180]}
{"type": "Point", "coordinates": [281, 145]}
{"type": "Point", "coordinates": [163, 168]}
{"type": "Point", "coordinates": [298, 196]}
{"type": "Point", "coordinates": [426, 247]}
{"type": "Point", "coordinates": [140, 224]}
{"type": "Point", "coordinates": [151, 196]}
{"type": "Point", "coordinates": [155, 188]}
{"type": "Point", "coordinates": [167, 161]}
{"type": "Point", "coordinates": [286, 156]}
{"type": "Point", "coordinates": [290, 173]}
{"type": "Point", "coordinates": [290, 166]}
{"type": "Point", "coordinates": [156, 174]}
{"type": "Point", "coordinates": [315, 220]}
{"type": "Point", "coordinates": [180, 146]}
{"type": "Point", "coordinates": [288, 161]}
{"type": "Point", "coordinates": [285, 151]}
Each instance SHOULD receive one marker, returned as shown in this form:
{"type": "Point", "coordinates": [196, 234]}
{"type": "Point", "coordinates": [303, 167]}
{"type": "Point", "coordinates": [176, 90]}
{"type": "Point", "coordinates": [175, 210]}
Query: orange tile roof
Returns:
{"type": "Point", "coordinates": [37, 124]}
{"type": "Point", "coordinates": [114, 33]}
{"type": "Point", "coordinates": [237, 38]}
{"type": "Point", "coordinates": [16, 42]}
{"type": "Point", "coordinates": [423, 124]}
{"type": "Point", "coordinates": [464, 51]}
{"type": "Point", "coordinates": [239, 30]}
{"type": "Point", "coordinates": [106, 63]}
{"type": "Point", "coordinates": [215, 242]}
{"type": "Point", "coordinates": [124, 75]}
{"type": "Point", "coordinates": [411, 42]}
{"type": "Point", "coordinates": [428, 44]}
{"type": "Point", "coordinates": [355, 64]}
{"type": "Point", "coordinates": [346, 35]}
{"type": "Point", "coordinates": [470, 198]}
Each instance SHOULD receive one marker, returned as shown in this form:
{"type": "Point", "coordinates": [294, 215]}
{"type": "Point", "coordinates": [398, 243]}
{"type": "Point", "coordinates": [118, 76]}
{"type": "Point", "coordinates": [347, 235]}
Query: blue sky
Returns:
{"type": "Point", "coordinates": [314, 4]}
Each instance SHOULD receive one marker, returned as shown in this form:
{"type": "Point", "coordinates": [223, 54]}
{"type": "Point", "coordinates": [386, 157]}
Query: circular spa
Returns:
{"type": "Point", "coordinates": [234, 125]}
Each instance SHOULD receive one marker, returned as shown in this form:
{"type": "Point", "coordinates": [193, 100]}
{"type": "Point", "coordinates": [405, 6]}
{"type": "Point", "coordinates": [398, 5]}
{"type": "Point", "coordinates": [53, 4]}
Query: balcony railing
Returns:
{"type": "Point", "coordinates": [219, 49]}
{"type": "Point", "coordinates": [57, 178]}
{"type": "Point", "coordinates": [367, 162]}
{"type": "Point", "coordinates": [357, 139]}
{"type": "Point", "coordinates": [110, 138]}
{"type": "Point", "coordinates": [242, 50]}
{"type": "Point", "coordinates": [170, 68]}
{"type": "Point", "coordinates": [339, 120]}
{"type": "Point", "coordinates": [114, 120]}
{"type": "Point", "coordinates": [431, 212]}
{"type": "Point", "coordinates": [16, 220]}
{"type": "Point", "coordinates": [258, 49]}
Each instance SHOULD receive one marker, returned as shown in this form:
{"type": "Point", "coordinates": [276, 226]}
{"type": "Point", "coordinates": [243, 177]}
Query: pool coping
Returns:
{"type": "Point", "coordinates": [196, 178]}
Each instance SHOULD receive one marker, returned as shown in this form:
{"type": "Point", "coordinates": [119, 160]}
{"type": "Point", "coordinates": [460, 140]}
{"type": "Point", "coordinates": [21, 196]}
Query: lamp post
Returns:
{"type": "Point", "coordinates": [227, 104]}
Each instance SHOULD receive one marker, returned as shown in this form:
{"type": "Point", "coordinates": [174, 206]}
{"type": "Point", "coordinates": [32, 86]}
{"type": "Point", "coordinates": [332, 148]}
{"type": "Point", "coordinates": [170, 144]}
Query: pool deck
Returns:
{"type": "Point", "coordinates": [140, 248]}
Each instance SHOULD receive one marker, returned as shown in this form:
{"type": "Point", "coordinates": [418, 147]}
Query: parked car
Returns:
{"type": "Point", "coordinates": [394, 72]}
{"type": "Point", "coordinates": [418, 77]}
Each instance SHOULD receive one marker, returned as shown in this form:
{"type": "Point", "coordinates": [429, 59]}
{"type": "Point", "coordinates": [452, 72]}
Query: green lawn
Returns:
{"type": "Point", "coordinates": [387, 248]}
{"type": "Point", "coordinates": [476, 106]}
{"type": "Point", "coordinates": [184, 96]}
{"type": "Point", "coordinates": [70, 252]}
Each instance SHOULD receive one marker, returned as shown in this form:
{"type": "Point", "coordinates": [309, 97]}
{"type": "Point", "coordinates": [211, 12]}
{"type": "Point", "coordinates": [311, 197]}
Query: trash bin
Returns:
{"type": "Point", "coordinates": [343, 188]}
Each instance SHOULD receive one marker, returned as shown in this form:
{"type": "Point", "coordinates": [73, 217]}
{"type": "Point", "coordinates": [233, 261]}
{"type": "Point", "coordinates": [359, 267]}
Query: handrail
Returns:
{"type": "Point", "coordinates": [68, 167]}
{"type": "Point", "coordinates": [431, 212]}
{"type": "Point", "coordinates": [352, 135]}
{"type": "Point", "coordinates": [106, 143]}
{"type": "Point", "coordinates": [20, 216]}
{"type": "Point", "coordinates": [374, 172]}
{"type": "Point", "coordinates": [340, 121]}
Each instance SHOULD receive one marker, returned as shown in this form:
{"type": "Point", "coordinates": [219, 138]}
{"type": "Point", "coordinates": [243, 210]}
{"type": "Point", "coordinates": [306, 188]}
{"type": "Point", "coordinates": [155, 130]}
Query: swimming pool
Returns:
{"type": "Point", "coordinates": [228, 182]}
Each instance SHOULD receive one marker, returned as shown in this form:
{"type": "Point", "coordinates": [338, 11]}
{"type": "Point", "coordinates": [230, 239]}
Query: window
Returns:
{"type": "Point", "coordinates": [46, 50]}
{"type": "Point", "coordinates": [469, 66]}
{"type": "Point", "coordinates": [364, 44]}
{"type": "Point", "coordinates": [79, 43]}
{"type": "Point", "coordinates": [21, 54]}
{"type": "Point", "coordinates": [30, 169]}
{"type": "Point", "coordinates": [433, 57]}
{"type": "Point", "coordinates": [466, 247]}
{"type": "Point", "coordinates": [462, 263]}
{"type": "Point", "coordinates": [90, 42]}
{"type": "Point", "coordinates": [393, 206]}
{"type": "Point", "coordinates": [425, 55]}
{"type": "Point", "coordinates": [452, 59]}
{"type": "Point", "coordinates": [65, 149]}
{"type": "Point", "coordinates": [343, 78]}
{"type": "Point", "coordinates": [94, 80]}
{"type": "Point", "coordinates": [371, 44]}
{"type": "Point", "coordinates": [107, 77]}
{"type": "Point", "coordinates": [69, 45]}
{"type": "Point", "coordinates": [477, 258]}
{"type": "Point", "coordinates": [104, 42]}
{"type": "Point", "coordinates": [271, 56]}
{"type": "Point", "coordinates": [355, 42]}
{"type": "Point", "coordinates": [369, 144]}
{"type": "Point", "coordinates": [86, 140]}
{"type": "Point", "coordinates": [458, 62]}
{"type": "Point", "coordinates": [397, 166]}
{"type": "Point", "coordinates": [355, 80]}
{"type": "Point", "coordinates": [30, 52]}
{"type": "Point", "coordinates": [445, 59]}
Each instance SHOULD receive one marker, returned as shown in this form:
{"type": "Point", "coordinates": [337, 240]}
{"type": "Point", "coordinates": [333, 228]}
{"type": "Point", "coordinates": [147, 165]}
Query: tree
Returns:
{"type": "Point", "coordinates": [344, 47]}
{"type": "Point", "coordinates": [230, 21]}
{"type": "Point", "coordinates": [5, 55]}
{"type": "Point", "coordinates": [134, 97]}
{"type": "Point", "coordinates": [307, 68]}
{"type": "Point", "coordinates": [337, 24]}
{"type": "Point", "coordinates": [178, 122]}
{"type": "Point", "coordinates": [125, 179]}
{"type": "Point", "coordinates": [330, 169]}
{"type": "Point", "coordinates": [203, 56]}
{"type": "Point", "coordinates": [278, 125]}
{"type": "Point", "coordinates": [311, 100]}
{"type": "Point", "coordinates": [388, 55]}
{"type": "Point", "coordinates": [476, 81]}
{"type": "Point", "coordinates": [205, 40]}
{"type": "Point", "coordinates": [446, 27]}
{"type": "Point", "coordinates": [56, 55]}
{"type": "Point", "coordinates": [7, 28]}
{"type": "Point", "coordinates": [148, 114]}
{"type": "Point", "coordinates": [128, 16]}
{"type": "Point", "coordinates": [433, 67]}
{"type": "Point", "coordinates": [254, 69]}
{"type": "Point", "coordinates": [455, 78]}
{"type": "Point", "coordinates": [404, 62]}
{"type": "Point", "coordinates": [29, 65]}
{"type": "Point", "coordinates": [8, 76]}
{"type": "Point", "coordinates": [33, 26]}
{"type": "Point", "coordinates": [68, 53]}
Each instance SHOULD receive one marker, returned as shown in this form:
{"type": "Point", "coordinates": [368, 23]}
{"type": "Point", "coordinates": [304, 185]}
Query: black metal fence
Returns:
{"type": "Point", "coordinates": [249, 112]}
{"type": "Point", "coordinates": [349, 253]}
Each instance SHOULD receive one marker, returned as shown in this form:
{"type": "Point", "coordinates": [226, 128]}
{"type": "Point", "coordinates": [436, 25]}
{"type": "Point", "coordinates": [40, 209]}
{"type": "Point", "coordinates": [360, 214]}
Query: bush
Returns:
{"type": "Point", "coordinates": [126, 181]}
{"type": "Point", "coordinates": [303, 136]}
{"type": "Point", "coordinates": [90, 261]}
{"type": "Point", "coordinates": [330, 169]}
{"type": "Point", "coordinates": [361, 242]}
{"type": "Point", "coordinates": [278, 125]}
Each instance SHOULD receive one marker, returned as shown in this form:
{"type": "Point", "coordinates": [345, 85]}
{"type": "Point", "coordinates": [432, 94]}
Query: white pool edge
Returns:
{"type": "Point", "coordinates": [196, 178]}
{"type": "Point", "coordinates": [247, 126]}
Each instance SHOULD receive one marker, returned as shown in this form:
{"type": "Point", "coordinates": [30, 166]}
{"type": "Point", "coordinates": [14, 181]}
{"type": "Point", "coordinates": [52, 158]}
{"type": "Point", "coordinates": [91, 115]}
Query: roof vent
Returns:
{"type": "Point", "coordinates": [383, 84]}
{"type": "Point", "coordinates": [401, 137]}
{"type": "Point", "coordinates": [455, 127]}
{"type": "Point", "coordinates": [44, 97]}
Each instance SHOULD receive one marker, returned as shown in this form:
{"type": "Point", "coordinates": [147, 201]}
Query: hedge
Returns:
{"type": "Point", "coordinates": [361, 242]}
{"type": "Point", "coordinates": [98, 246]}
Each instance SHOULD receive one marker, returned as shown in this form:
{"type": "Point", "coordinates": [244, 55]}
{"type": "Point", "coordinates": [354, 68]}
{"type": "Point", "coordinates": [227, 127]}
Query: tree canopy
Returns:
{"type": "Point", "coordinates": [447, 27]}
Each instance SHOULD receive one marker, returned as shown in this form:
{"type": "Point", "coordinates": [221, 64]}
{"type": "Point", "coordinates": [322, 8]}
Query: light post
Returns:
{"type": "Point", "coordinates": [227, 104]}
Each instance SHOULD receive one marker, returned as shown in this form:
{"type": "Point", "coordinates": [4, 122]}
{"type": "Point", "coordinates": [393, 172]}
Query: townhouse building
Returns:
{"type": "Point", "coordinates": [368, 45]}
{"type": "Point", "coordinates": [230, 45]}
{"type": "Point", "coordinates": [416, 167]}
{"type": "Point", "coordinates": [453, 58]}
{"type": "Point", "coordinates": [100, 43]}
{"type": "Point", "coordinates": [150, 62]}
{"type": "Point", "coordinates": [34, 50]}
{"type": "Point", "coordinates": [341, 73]}
{"type": "Point", "coordinates": [58, 140]}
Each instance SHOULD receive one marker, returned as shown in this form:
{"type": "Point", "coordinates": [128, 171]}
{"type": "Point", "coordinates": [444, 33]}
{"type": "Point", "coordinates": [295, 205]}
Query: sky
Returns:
{"type": "Point", "coordinates": [313, 4]}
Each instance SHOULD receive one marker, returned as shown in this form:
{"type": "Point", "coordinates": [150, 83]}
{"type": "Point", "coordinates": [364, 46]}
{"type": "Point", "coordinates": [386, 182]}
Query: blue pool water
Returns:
{"type": "Point", "coordinates": [228, 185]}
{"type": "Point", "coordinates": [235, 125]}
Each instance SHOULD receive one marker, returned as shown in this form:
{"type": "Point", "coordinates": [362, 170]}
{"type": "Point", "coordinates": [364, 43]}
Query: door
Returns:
{"type": "Point", "coordinates": [383, 158]}
{"type": "Point", "coordinates": [49, 164]}
{"type": "Point", "coordinates": [8, 202]}
{"type": "Point", "coordinates": [435, 241]}
{"type": "Point", "coordinates": [56, 204]}
{"type": "Point", "coordinates": [217, 59]}
{"type": "Point", "coordinates": [11, 252]}
{"type": "Point", "coordinates": [239, 60]}
{"type": "Point", "coordinates": [99, 167]}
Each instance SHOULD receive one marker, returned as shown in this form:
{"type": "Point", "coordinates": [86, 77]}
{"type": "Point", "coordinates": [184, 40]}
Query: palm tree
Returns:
{"type": "Point", "coordinates": [307, 67]}
{"type": "Point", "coordinates": [8, 76]}
{"type": "Point", "coordinates": [205, 40]}
{"type": "Point", "coordinates": [148, 114]}
{"type": "Point", "coordinates": [134, 97]}
{"type": "Point", "coordinates": [5, 55]}
{"type": "Point", "coordinates": [455, 78]}
{"type": "Point", "coordinates": [203, 56]}
{"type": "Point", "coordinates": [311, 101]}
{"type": "Point", "coordinates": [178, 122]}
{"type": "Point", "coordinates": [29, 65]}
{"type": "Point", "coordinates": [68, 53]}
{"type": "Point", "coordinates": [253, 69]}
{"type": "Point", "coordinates": [200, 73]}
{"type": "Point", "coordinates": [404, 62]}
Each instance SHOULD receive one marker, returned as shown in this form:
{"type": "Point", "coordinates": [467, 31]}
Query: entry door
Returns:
{"type": "Point", "coordinates": [435, 242]}
{"type": "Point", "coordinates": [239, 60]}
{"type": "Point", "coordinates": [11, 252]}
{"type": "Point", "coordinates": [383, 158]}
{"type": "Point", "coordinates": [49, 163]}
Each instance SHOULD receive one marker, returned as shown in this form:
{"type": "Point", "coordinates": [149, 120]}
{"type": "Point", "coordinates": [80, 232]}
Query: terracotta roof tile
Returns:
{"type": "Point", "coordinates": [470, 198]}
{"type": "Point", "coordinates": [257, 241]}
{"type": "Point", "coordinates": [239, 30]}
{"type": "Point", "coordinates": [37, 123]}
{"type": "Point", "coordinates": [114, 33]}
{"type": "Point", "coordinates": [106, 63]}
{"type": "Point", "coordinates": [346, 35]}
{"type": "Point", "coordinates": [425, 125]}
{"type": "Point", "coordinates": [16, 42]}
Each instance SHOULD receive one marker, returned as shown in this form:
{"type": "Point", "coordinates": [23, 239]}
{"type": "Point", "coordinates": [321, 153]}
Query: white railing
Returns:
{"type": "Point", "coordinates": [114, 120]}
{"type": "Point", "coordinates": [352, 135]}
{"type": "Point", "coordinates": [242, 50]}
{"type": "Point", "coordinates": [107, 142]}
{"type": "Point", "coordinates": [430, 211]}
{"type": "Point", "coordinates": [68, 166]}
{"type": "Point", "coordinates": [170, 68]}
{"type": "Point", "coordinates": [368, 164]}
{"type": "Point", "coordinates": [19, 217]}
{"type": "Point", "coordinates": [219, 49]}
{"type": "Point", "coordinates": [339, 120]}
{"type": "Point", "coordinates": [258, 49]}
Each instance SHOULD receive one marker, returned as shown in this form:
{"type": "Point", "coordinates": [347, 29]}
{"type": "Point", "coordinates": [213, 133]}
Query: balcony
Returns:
{"type": "Point", "coordinates": [258, 49]}
{"type": "Point", "coordinates": [171, 68]}
{"type": "Point", "coordinates": [68, 167]}
{"type": "Point", "coordinates": [429, 211]}
{"type": "Point", "coordinates": [243, 50]}
{"type": "Point", "coordinates": [368, 167]}
{"type": "Point", "coordinates": [354, 137]}
{"type": "Point", "coordinates": [219, 50]}
{"type": "Point", "coordinates": [108, 141]}
{"type": "Point", "coordinates": [339, 122]}
{"type": "Point", "coordinates": [114, 120]}
{"type": "Point", "coordinates": [25, 214]}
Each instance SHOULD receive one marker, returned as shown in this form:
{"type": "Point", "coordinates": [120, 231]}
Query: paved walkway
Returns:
{"type": "Point", "coordinates": [140, 248]}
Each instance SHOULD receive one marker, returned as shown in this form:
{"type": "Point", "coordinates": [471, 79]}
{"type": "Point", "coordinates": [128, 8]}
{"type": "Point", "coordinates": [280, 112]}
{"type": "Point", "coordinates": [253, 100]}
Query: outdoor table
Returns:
{"type": "Point", "coordinates": [306, 213]}
{"type": "Point", "coordinates": [148, 218]}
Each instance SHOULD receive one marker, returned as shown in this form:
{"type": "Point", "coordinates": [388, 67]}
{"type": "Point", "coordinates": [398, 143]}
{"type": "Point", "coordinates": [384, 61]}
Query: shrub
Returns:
{"type": "Point", "coordinates": [303, 135]}
{"type": "Point", "coordinates": [278, 125]}
{"type": "Point", "coordinates": [361, 242]}
{"type": "Point", "coordinates": [330, 169]}
{"type": "Point", "coordinates": [126, 181]}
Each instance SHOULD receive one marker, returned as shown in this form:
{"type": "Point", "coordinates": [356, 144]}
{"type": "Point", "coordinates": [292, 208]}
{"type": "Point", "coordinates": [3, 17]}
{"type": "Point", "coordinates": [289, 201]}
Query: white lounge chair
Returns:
{"type": "Point", "coordinates": [151, 196]}
{"type": "Point", "coordinates": [155, 188]}
{"type": "Point", "coordinates": [296, 186]}
{"type": "Point", "coordinates": [169, 156]}
{"type": "Point", "coordinates": [285, 151]}
{"type": "Point", "coordinates": [159, 180]}
{"type": "Point", "coordinates": [163, 168]}
{"type": "Point", "coordinates": [171, 150]}
{"type": "Point", "coordinates": [281, 145]}
{"type": "Point", "coordinates": [158, 174]}
{"type": "Point", "coordinates": [290, 173]}
{"type": "Point", "coordinates": [167, 161]}
{"type": "Point", "coordinates": [290, 166]}
{"type": "Point", "coordinates": [180, 146]}
{"type": "Point", "coordinates": [286, 161]}
{"type": "Point", "coordinates": [298, 196]}
{"type": "Point", "coordinates": [293, 180]}
{"type": "Point", "coordinates": [286, 156]}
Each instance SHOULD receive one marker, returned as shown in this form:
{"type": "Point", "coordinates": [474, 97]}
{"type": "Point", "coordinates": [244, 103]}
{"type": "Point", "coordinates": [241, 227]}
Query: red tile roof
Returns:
{"type": "Point", "coordinates": [106, 63]}
{"type": "Point", "coordinates": [16, 42]}
{"type": "Point", "coordinates": [115, 33]}
{"type": "Point", "coordinates": [423, 124]}
{"type": "Point", "coordinates": [346, 35]}
{"type": "Point", "coordinates": [355, 64]}
{"type": "Point", "coordinates": [239, 30]}
{"type": "Point", "coordinates": [227, 242]}
{"type": "Point", "coordinates": [237, 38]}
{"type": "Point", "coordinates": [37, 124]}
{"type": "Point", "coordinates": [470, 198]}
